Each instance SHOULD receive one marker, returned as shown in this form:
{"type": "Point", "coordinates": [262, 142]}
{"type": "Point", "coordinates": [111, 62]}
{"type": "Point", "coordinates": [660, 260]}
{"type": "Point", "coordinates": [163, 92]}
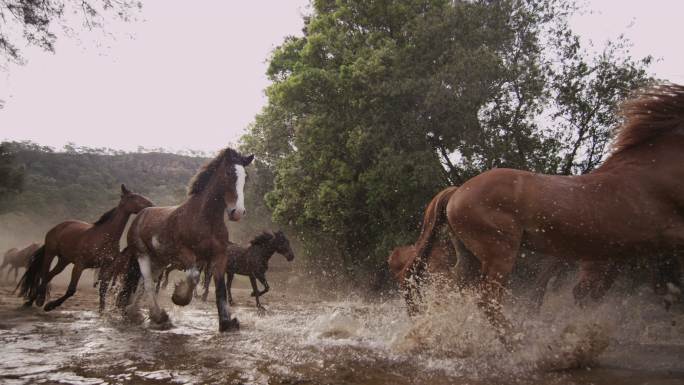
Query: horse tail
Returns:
{"type": "Point", "coordinates": [130, 280]}
{"type": "Point", "coordinates": [433, 219]}
{"type": "Point", "coordinates": [30, 281]}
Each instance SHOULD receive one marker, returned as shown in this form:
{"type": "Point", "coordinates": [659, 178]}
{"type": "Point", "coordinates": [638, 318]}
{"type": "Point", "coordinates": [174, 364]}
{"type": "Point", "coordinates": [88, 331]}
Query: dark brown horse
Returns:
{"type": "Point", "coordinates": [253, 261]}
{"type": "Point", "coordinates": [86, 245]}
{"type": "Point", "coordinates": [189, 235]}
{"type": "Point", "coordinates": [18, 259]}
{"type": "Point", "coordinates": [633, 204]}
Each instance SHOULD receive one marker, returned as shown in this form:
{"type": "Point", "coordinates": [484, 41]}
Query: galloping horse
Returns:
{"type": "Point", "coordinates": [633, 204]}
{"type": "Point", "coordinates": [86, 245]}
{"type": "Point", "coordinates": [253, 261]}
{"type": "Point", "coordinates": [18, 259]}
{"type": "Point", "coordinates": [189, 235]}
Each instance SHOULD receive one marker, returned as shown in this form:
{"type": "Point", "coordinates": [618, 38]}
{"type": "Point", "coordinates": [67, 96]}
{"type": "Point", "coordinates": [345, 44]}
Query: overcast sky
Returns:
{"type": "Point", "coordinates": [192, 77]}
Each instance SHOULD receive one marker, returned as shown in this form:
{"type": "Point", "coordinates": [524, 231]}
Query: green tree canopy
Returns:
{"type": "Point", "coordinates": [383, 103]}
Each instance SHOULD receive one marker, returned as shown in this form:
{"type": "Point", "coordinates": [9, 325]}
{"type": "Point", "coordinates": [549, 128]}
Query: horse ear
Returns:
{"type": "Point", "coordinates": [246, 161]}
{"type": "Point", "coordinates": [124, 190]}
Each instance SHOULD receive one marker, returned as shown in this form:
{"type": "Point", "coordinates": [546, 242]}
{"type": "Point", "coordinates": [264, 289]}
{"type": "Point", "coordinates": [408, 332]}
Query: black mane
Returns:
{"type": "Point", "coordinates": [105, 217]}
{"type": "Point", "coordinates": [200, 181]}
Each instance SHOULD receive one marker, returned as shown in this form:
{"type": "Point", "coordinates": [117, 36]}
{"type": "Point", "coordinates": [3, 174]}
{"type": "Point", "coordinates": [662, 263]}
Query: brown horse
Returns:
{"type": "Point", "coordinates": [18, 259]}
{"type": "Point", "coordinates": [633, 204]}
{"type": "Point", "coordinates": [86, 245]}
{"type": "Point", "coordinates": [189, 235]}
{"type": "Point", "coordinates": [440, 261]}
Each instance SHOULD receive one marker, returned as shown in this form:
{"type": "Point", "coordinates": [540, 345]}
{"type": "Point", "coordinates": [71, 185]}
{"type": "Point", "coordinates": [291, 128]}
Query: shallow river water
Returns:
{"type": "Point", "coordinates": [304, 340]}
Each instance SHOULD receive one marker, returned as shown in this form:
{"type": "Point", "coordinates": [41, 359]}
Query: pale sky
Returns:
{"type": "Point", "coordinates": [191, 75]}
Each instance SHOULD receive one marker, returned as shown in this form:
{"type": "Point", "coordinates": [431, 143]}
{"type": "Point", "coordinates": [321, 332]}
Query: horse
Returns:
{"type": "Point", "coordinates": [86, 245]}
{"type": "Point", "coordinates": [252, 262]}
{"type": "Point", "coordinates": [633, 204]}
{"type": "Point", "coordinates": [17, 259]}
{"type": "Point", "coordinates": [188, 235]}
{"type": "Point", "coordinates": [440, 261]}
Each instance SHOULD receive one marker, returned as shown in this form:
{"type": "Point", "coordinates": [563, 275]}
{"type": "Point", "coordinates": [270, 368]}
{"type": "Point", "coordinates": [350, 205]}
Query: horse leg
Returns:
{"type": "Point", "coordinates": [551, 268]}
{"type": "Point", "coordinates": [225, 322]}
{"type": "Point", "coordinates": [157, 314]}
{"type": "Point", "coordinates": [42, 289]}
{"type": "Point", "coordinates": [255, 290]}
{"type": "Point", "coordinates": [159, 280]}
{"type": "Point", "coordinates": [596, 277]}
{"type": "Point", "coordinates": [667, 280]}
{"type": "Point", "coordinates": [229, 284]}
{"type": "Point", "coordinates": [262, 278]}
{"type": "Point", "coordinates": [104, 285]}
{"type": "Point", "coordinates": [75, 276]}
{"type": "Point", "coordinates": [165, 274]}
{"type": "Point", "coordinates": [207, 282]}
{"type": "Point", "coordinates": [496, 253]}
{"type": "Point", "coordinates": [16, 274]}
{"type": "Point", "coordinates": [43, 278]}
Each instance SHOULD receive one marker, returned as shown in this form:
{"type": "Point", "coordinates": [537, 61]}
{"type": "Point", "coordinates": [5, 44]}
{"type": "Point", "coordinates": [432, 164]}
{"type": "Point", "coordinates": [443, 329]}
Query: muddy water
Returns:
{"type": "Point", "coordinates": [302, 340]}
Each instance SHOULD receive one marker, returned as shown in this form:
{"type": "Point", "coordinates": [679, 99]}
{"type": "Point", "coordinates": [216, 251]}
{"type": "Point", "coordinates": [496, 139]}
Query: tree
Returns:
{"type": "Point", "coordinates": [11, 176]}
{"type": "Point", "coordinates": [34, 21]}
{"type": "Point", "coordinates": [382, 104]}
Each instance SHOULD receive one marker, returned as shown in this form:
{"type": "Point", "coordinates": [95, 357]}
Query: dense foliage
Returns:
{"type": "Point", "coordinates": [11, 176]}
{"type": "Point", "coordinates": [383, 103]}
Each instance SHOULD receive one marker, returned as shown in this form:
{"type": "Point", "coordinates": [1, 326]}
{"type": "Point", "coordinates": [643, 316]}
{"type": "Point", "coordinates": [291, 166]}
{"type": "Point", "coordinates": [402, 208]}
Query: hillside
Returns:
{"type": "Point", "coordinates": [82, 183]}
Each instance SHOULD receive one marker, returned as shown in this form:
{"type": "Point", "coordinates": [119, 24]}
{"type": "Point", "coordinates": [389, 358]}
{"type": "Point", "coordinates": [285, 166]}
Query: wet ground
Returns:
{"type": "Point", "coordinates": [302, 340]}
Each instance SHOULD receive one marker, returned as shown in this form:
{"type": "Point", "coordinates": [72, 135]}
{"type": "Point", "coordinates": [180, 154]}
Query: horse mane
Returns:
{"type": "Point", "coordinates": [262, 238]}
{"type": "Point", "coordinates": [105, 217]}
{"type": "Point", "coordinates": [200, 181]}
{"type": "Point", "coordinates": [652, 112]}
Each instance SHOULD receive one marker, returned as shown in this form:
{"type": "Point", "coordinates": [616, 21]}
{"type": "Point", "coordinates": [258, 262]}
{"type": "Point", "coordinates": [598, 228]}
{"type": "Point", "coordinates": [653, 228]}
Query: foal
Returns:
{"type": "Point", "coordinates": [253, 261]}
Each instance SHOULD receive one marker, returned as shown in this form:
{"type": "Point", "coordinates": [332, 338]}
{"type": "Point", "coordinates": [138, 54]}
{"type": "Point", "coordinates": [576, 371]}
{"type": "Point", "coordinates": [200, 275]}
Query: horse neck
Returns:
{"type": "Point", "coordinates": [209, 203]}
{"type": "Point", "coordinates": [115, 226]}
{"type": "Point", "coordinates": [263, 252]}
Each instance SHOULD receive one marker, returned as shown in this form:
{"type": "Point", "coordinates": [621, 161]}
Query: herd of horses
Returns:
{"type": "Point", "coordinates": [632, 205]}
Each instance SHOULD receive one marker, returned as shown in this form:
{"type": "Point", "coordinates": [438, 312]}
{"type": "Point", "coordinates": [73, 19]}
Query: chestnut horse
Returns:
{"type": "Point", "coordinates": [17, 259]}
{"type": "Point", "coordinates": [189, 235]}
{"type": "Point", "coordinates": [86, 245]}
{"type": "Point", "coordinates": [441, 260]}
{"type": "Point", "coordinates": [633, 204]}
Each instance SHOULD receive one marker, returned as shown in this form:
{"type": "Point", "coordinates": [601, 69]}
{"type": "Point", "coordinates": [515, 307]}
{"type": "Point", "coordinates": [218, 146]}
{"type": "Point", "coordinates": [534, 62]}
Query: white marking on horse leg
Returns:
{"type": "Point", "coordinates": [192, 275]}
{"type": "Point", "coordinates": [240, 187]}
{"type": "Point", "coordinates": [155, 243]}
{"type": "Point", "coordinates": [148, 279]}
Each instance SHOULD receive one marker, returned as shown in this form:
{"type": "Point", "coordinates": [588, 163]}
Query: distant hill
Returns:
{"type": "Point", "coordinates": [82, 183]}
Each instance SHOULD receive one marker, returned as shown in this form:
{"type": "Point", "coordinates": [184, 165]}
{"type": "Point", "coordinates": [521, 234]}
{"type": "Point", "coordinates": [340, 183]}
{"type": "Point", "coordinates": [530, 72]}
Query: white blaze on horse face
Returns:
{"type": "Point", "coordinates": [239, 190]}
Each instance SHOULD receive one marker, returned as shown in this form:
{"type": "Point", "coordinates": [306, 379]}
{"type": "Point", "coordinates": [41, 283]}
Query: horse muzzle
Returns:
{"type": "Point", "coordinates": [236, 214]}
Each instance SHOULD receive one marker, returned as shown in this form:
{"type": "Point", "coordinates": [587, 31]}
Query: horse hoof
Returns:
{"type": "Point", "coordinates": [134, 316]}
{"type": "Point", "coordinates": [160, 317]}
{"type": "Point", "coordinates": [229, 325]}
{"type": "Point", "coordinates": [40, 301]}
{"type": "Point", "coordinates": [27, 305]}
{"type": "Point", "coordinates": [50, 306]}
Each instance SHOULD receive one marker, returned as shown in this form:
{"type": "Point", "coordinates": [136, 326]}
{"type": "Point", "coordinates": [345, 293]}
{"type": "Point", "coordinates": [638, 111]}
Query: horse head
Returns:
{"type": "Point", "coordinates": [235, 176]}
{"type": "Point", "coordinates": [282, 245]}
{"type": "Point", "coordinates": [131, 202]}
